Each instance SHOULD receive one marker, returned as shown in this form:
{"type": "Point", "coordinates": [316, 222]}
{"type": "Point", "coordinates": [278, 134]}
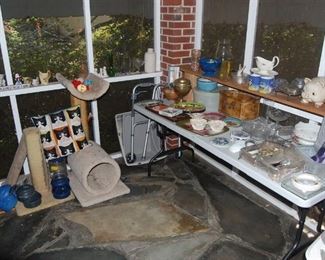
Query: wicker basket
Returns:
{"type": "Point", "coordinates": [239, 105]}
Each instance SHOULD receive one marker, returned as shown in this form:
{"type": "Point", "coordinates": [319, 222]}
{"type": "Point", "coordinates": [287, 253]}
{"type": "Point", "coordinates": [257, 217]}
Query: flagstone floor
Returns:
{"type": "Point", "coordinates": [185, 211]}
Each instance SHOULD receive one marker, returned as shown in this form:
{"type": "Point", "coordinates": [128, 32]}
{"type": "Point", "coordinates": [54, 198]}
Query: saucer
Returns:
{"type": "Point", "coordinates": [270, 73]}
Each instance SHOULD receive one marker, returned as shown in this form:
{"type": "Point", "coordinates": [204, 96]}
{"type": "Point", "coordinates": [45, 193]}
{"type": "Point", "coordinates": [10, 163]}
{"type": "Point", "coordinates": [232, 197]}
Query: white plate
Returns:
{"type": "Point", "coordinates": [269, 73]}
{"type": "Point", "coordinates": [306, 182]}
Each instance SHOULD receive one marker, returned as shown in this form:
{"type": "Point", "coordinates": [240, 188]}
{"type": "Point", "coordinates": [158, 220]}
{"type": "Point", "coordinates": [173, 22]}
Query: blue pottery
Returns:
{"type": "Point", "coordinates": [210, 67]}
{"type": "Point", "coordinates": [206, 85]}
{"type": "Point", "coordinates": [60, 186]}
{"type": "Point", "coordinates": [8, 198]}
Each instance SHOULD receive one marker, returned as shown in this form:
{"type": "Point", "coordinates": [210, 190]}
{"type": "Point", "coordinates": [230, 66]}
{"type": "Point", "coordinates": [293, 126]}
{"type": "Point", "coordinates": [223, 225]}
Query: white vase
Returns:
{"type": "Point", "coordinates": [150, 61]}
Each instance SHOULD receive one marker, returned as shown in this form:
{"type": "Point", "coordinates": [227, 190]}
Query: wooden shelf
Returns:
{"type": "Point", "coordinates": [293, 102]}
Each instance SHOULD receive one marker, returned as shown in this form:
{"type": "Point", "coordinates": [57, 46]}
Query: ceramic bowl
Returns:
{"type": "Point", "coordinates": [206, 85]}
{"type": "Point", "coordinates": [198, 123]}
{"type": "Point", "coordinates": [210, 66]}
{"type": "Point", "coordinates": [216, 125]}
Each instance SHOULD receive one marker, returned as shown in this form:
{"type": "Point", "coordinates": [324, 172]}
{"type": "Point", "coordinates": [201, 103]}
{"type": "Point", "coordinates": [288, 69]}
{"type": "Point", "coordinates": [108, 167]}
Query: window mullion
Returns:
{"type": "Point", "coordinates": [251, 33]}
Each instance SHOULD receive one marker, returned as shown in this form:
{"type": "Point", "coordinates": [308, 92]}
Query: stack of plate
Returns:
{"type": "Point", "coordinates": [306, 133]}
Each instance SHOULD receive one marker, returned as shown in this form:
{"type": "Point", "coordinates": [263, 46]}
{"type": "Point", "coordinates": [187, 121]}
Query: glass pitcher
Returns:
{"type": "Point", "coordinates": [224, 53]}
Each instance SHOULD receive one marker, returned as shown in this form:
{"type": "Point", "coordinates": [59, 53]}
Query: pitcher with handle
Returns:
{"type": "Point", "coordinates": [265, 65]}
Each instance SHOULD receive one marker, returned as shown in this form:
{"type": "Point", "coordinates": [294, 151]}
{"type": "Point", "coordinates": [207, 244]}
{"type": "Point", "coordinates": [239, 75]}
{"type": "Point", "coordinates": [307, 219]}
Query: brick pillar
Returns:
{"type": "Point", "coordinates": [177, 33]}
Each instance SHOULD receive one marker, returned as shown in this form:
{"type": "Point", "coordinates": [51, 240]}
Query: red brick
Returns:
{"type": "Point", "coordinates": [179, 10]}
{"type": "Point", "coordinates": [164, 78]}
{"type": "Point", "coordinates": [188, 46]}
{"type": "Point", "coordinates": [188, 32]}
{"type": "Point", "coordinates": [164, 66]}
{"type": "Point", "coordinates": [171, 17]}
{"type": "Point", "coordinates": [179, 24]}
{"type": "Point", "coordinates": [172, 2]}
{"type": "Point", "coordinates": [190, 2]}
{"type": "Point", "coordinates": [169, 46]}
{"type": "Point", "coordinates": [163, 38]}
{"type": "Point", "coordinates": [188, 17]}
{"type": "Point", "coordinates": [186, 60]}
{"type": "Point", "coordinates": [179, 39]}
{"type": "Point", "coordinates": [163, 24]}
{"type": "Point", "coordinates": [163, 10]}
{"type": "Point", "coordinates": [178, 54]}
{"type": "Point", "coordinates": [173, 32]}
{"type": "Point", "coordinates": [169, 60]}
{"type": "Point", "coordinates": [163, 52]}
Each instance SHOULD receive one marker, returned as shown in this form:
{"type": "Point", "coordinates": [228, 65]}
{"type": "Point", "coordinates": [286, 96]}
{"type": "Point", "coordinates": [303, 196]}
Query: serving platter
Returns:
{"type": "Point", "coordinates": [190, 107]}
{"type": "Point", "coordinates": [207, 131]}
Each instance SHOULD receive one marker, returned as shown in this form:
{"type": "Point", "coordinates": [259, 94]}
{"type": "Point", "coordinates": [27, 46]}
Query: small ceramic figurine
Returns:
{"type": "Point", "coordinates": [44, 77]}
{"type": "Point", "coordinates": [18, 79]}
{"type": "Point", "coordinates": [314, 91]}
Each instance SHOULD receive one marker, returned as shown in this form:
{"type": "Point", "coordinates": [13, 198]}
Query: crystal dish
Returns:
{"type": "Point", "coordinates": [276, 159]}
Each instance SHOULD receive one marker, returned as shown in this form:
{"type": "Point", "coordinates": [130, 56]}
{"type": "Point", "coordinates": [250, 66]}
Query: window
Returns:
{"type": "Point", "coordinates": [40, 37]}
{"type": "Point", "coordinates": [121, 34]}
{"type": "Point", "coordinates": [225, 19]}
{"type": "Point", "coordinates": [294, 31]}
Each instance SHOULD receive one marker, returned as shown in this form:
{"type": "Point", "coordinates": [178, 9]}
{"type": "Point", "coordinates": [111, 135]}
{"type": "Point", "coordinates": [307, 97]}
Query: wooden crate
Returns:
{"type": "Point", "coordinates": [240, 105]}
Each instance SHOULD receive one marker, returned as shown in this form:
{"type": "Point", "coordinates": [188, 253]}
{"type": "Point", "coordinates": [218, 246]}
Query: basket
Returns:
{"type": "Point", "coordinates": [239, 105]}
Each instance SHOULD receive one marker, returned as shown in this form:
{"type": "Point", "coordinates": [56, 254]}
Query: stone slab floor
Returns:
{"type": "Point", "coordinates": [185, 211]}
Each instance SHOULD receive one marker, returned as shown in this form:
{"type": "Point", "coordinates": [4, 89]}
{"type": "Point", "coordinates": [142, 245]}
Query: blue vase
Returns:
{"type": "Point", "coordinates": [8, 198]}
{"type": "Point", "coordinates": [60, 186]}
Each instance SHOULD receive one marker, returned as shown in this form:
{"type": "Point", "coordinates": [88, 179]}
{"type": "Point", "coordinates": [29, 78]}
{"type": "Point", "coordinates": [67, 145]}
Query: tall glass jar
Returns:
{"type": "Point", "coordinates": [224, 53]}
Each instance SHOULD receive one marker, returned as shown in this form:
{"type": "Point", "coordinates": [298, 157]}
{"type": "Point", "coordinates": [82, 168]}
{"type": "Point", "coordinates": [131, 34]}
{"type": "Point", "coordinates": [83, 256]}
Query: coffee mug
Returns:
{"type": "Point", "coordinates": [254, 82]}
{"type": "Point", "coordinates": [266, 84]}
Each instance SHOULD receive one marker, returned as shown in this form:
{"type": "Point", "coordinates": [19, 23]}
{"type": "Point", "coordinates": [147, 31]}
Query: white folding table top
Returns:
{"type": "Point", "coordinates": [255, 173]}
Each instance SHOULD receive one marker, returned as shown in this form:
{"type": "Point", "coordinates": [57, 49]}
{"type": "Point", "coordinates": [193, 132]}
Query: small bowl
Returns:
{"type": "Point", "coordinates": [216, 125]}
{"type": "Point", "coordinates": [210, 66]}
{"type": "Point", "coordinates": [198, 123]}
{"type": "Point", "coordinates": [240, 79]}
{"type": "Point", "coordinates": [206, 85]}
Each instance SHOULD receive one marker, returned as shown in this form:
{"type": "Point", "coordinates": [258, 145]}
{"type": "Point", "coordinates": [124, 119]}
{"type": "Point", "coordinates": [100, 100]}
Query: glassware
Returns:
{"type": "Point", "coordinates": [58, 166]}
{"type": "Point", "coordinates": [224, 53]}
{"type": "Point", "coordinates": [195, 57]}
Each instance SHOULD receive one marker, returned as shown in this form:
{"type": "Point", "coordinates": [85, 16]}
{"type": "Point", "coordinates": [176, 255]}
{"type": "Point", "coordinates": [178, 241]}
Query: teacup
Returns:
{"type": "Point", "coordinates": [198, 123]}
{"type": "Point", "coordinates": [265, 65]}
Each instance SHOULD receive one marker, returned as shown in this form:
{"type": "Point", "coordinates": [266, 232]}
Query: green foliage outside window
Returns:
{"type": "Point", "coordinates": [298, 45]}
{"type": "Point", "coordinates": [39, 44]}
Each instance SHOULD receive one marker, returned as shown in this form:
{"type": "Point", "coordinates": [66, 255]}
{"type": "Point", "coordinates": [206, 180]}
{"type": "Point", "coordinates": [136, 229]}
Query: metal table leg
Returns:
{"type": "Point", "coordinates": [302, 213]}
{"type": "Point", "coordinates": [321, 207]}
{"type": "Point", "coordinates": [164, 152]}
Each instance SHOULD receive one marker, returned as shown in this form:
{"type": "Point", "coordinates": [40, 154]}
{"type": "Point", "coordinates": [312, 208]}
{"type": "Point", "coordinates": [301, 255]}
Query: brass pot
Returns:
{"type": "Point", "coordinates": [182, 86]}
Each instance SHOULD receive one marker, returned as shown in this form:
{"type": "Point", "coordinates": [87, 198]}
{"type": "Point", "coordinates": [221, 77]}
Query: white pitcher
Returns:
{"type": "Point", "coordinates": [265, 65]}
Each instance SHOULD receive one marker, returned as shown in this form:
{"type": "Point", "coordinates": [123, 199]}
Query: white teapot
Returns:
{"type": "Point", "coordinates": [265, 65]}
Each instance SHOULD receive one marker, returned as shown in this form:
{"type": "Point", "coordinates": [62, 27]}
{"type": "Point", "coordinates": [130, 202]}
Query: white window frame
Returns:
{"type": "Point", "coordinates": [90, 59]}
